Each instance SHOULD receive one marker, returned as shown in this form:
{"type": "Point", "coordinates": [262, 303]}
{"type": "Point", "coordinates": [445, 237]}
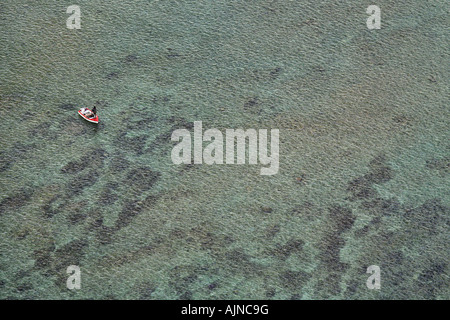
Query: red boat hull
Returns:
{"type": "Point", "coordinates": [93, 120]}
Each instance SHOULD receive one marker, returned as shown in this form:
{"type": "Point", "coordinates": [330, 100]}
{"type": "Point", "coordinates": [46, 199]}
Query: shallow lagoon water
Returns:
{"type": "Point", "coordinates": [364, 155]}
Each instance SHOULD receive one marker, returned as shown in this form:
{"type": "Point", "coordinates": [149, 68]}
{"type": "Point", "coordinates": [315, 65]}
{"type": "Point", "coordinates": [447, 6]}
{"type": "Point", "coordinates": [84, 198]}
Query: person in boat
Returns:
{"type": "Point", "coordinates": [88, 113]}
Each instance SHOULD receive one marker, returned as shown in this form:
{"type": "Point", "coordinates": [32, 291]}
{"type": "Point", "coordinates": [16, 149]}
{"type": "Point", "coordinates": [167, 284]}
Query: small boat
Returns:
{"type": "Point", "coordinates": [94, 119]}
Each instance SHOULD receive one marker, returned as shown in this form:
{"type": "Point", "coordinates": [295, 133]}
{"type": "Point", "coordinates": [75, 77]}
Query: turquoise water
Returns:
{"type": "Point", "coordinates": [364, 154]}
